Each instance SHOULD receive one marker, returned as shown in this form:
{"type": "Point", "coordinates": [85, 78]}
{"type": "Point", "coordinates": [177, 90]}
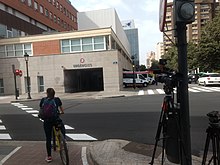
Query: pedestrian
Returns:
{"type": "Point", "coordinates": [50, 122]}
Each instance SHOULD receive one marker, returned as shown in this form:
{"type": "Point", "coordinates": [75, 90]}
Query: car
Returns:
{"type": "Point", "coordinates": [193, 78]}
{"type": "Point", "coordinates": [209, 79]}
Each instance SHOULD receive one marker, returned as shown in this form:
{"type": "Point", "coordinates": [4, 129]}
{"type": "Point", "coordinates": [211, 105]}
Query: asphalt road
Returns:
{"type": "Point", "coordinates": [131, 118]}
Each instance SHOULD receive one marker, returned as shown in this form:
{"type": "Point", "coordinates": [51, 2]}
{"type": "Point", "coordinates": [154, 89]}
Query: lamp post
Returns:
{"type": "Point", "coordinates": [133, 67]}
{"type": "Point", "coordinates": [26, 58]}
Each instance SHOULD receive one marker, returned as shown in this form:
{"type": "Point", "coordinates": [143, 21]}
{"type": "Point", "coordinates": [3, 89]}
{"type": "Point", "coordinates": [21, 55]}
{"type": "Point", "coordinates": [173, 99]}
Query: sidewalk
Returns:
{"type": "Point", "coordinates": [108, 152]}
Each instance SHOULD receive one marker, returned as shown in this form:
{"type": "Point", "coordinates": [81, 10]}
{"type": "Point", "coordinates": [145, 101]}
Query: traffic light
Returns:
{"type": "Point", "coordinates": [18, 72]}
{"type": "Point", "coordinates": [184, 11]}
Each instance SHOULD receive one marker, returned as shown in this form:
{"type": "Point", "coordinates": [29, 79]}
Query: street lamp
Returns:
{"type": "Point", "coordinates": [133, 66]}
{"type": "Point", "coordinates": [26, 58]}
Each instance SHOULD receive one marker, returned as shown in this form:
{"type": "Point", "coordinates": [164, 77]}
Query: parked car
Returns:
{"type": "Point", "coordinates": [209, 79]}
{"type": "Point", "coordinates": [129, 77]}
{"type": "Point", "coordinates": [150, 78]}
{"type": "Point", "coordinates": [193, 78]}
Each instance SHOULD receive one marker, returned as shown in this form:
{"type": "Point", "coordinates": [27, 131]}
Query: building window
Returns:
{"type": "Point", "coordinates": [87, 44]}
{"type": "Point", "coordinates": [35, 5]}
{"type": "Point", "coordinates": [83, 44]}
{"type": "Point", "coordinates": [40, 82]}
{"type": "Point", "coordinates": [16, 50]}
{"type": "Point", "coordinates": [58, 20]}
{"type": "Point", "coordinates": [51, 16]}
{"type": "Point", "coordinates": [55, 18]}
{"type": "Point", "coordinates": [1, 86]}
{"type": "Point", "coordinates": [54, 2]}
{"type": "Point", "coordinates": [76, 45]}
{"type": "Point", "coordinates": [2, 51]}
{"type": "Point", "coordinates": [41, 9]}
{"type": "Point", "coordinates": [61, 8]}
{"type": "Point", "coordinates": [46, 12]}
{"type": "Point", "coordinates": [23, 1]}
{"type": "Point", "coordinates": [29, 2]}
{"type": "Point", "coordinates": [65, 46]}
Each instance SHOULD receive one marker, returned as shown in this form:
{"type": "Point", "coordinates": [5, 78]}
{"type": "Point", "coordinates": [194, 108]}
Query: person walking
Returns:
{"type": "Point", "coordinates": [51, 103]}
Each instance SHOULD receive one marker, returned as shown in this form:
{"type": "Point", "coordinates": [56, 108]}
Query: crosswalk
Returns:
{"type": "Point", "coordinates": [195, 89]}
{"type": "Point", "coordinates": [4, 134]}
{"type": "Point", "coordinates": [34, 113]}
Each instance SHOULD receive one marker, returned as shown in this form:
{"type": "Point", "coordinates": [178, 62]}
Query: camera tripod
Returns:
{"type": "Point", "coordinates": [168, 123]}
{"type": "Point", "coordinates": [213, 134]}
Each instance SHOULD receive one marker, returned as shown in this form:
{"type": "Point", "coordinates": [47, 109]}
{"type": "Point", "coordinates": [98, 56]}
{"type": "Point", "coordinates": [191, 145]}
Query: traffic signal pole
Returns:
{"type": "Point", "coordinates": [185, 144]}
{"type": "Point", "coordinates": [184, 13]}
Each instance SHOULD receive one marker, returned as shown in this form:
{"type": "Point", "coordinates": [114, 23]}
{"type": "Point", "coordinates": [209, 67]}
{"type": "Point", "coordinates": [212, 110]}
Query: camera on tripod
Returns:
{"type": "Point", "coordinates": [166, 76]}
{"type": "Point", "coordinates": [214, 117]}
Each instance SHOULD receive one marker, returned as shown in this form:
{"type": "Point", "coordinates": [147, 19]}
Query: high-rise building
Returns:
{"type": "Point", "coordinates": [204, 12]}
{"type": "Point", "coordinates": [132, 34]}
{"type": "Point", "coordinates": [159, 51]}
{"type": "Point", "coordinates": [27, 17]}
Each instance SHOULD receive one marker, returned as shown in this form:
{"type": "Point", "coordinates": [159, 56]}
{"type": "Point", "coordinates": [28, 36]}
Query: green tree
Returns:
{"type": "Point", "coordinates": [209, 47]}
{"type": "Point", "coordinates": [142, 68]}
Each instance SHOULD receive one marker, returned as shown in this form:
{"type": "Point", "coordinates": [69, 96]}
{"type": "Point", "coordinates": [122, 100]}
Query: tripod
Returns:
{"type": "Point", "coordinates": [213, 134]}
{"type": "Point", "coordinates": [168, 117]}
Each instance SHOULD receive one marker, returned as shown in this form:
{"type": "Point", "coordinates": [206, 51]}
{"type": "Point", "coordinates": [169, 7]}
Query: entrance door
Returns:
{"type": "Point", "coordinates": [82, 80]}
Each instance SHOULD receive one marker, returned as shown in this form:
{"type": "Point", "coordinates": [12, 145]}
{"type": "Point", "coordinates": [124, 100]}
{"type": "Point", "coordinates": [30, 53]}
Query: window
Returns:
{"type": "Point", "coordinates": [55, 18]}
{"type": "Point", "coordinates": [29, 2]}
{"type": "Point", "coordinates": [40, 82]}
{"type": "Point", "coordinates": [51, 16]}
{"type": "Point", "coordinates": [99, 43]}
{"type": "Point", "coordinates": [41, 9]}
{"type": "Point", "coordinates": [83, 44]}
{"type": "Point", "coordinates": [87, 44]}
{"type": "Point", "coordinates": [1, 86]}
{"type": "Point", "coordinates": [10, 50]}
{"type": "Point", "coordinates": [23, 1]}
{"type": "Point", "coordinates": [35, 5]}
{"type": "Point", "coordinates": [2, 51]}
{"type": "Point", "coordinates": [75, 45]}
{"type": "Point", "coordinates": [16, 50]}
{"type": "Point", "coordinates": [46, 12]}
{"type": "Point", "coordinates": [65, 46]}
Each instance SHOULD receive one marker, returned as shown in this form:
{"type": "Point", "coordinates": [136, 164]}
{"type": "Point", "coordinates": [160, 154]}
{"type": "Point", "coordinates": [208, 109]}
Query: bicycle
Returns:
{"type": "Point", "coordinates": [59, 143]}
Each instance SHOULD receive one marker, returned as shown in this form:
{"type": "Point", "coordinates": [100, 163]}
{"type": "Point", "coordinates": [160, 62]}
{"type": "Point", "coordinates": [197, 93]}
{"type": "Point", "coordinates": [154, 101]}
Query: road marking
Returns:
{"type": "Point", "coordinates": [211, 88]}
{"type": "Point", "coordinates": [68, 127]}
{"type": "Point", "coordinates": [26, 109]}
{"type": "Point", "coordinates": [83, 155]}
{"type": "Point", "coordinates": [0, 121]}
{"type": "Point", "coordinates": [2, 127]}
{"type": "Point", "coordinates": [160, 91]}
{"type": "Point", "coordinates": [150, 91]}
{"type": "Point", "coordinates": [22, 106]}
{"type": "Point", "coordinates": [9, 155]}
{"type": "Point", "coordinates": [80, 137]}
{"type": "Point", "coordinates": [33, 111]}
{"type": "Point", "coordinates": [5, 136]}
{"type": "Point", "coordinates": [201, 89]}
{"type": "Point", "coordinates": [141, 92]}
{"type": "Point", "coordinates": [193, 90]}
{"type": "Point", "coordinates": [35, 115]}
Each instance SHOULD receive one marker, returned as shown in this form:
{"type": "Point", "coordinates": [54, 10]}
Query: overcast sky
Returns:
{"type": "Point", "coordinates": [145, 14]}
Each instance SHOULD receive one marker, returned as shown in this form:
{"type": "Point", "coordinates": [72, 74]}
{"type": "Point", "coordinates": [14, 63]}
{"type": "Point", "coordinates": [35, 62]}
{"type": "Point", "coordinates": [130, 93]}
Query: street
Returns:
{"type": "Point", "coordinates": [133, 118]}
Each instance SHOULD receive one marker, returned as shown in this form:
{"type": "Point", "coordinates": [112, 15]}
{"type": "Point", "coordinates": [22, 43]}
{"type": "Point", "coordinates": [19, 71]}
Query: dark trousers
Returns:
{"type": "Point", "coordinates": [48, 127]}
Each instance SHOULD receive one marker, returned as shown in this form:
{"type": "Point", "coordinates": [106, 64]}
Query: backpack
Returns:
{"type": "Point", "coordinates": [49, 109]}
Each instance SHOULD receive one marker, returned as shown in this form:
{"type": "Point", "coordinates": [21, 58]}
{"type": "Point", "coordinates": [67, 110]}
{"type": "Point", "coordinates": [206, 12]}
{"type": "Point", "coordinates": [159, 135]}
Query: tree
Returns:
{"type": "Point", "coordinates": [209, 47]}
{"type": "Point", "coordinates": [142, 68]}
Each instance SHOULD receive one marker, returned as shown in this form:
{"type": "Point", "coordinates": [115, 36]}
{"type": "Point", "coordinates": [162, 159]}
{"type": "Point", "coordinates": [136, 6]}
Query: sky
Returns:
{"type": "Point", "coordinates": [145, 14]}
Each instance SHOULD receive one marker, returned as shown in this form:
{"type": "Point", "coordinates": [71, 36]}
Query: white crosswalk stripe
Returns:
{"type": "Point", "coordinates": [3, 135]}
{"type": "Point", "coordinates": [194, 89]}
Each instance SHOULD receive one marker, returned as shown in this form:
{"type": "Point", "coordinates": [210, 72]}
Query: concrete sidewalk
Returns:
{"type": "Point", "coordinates": [108, 152]}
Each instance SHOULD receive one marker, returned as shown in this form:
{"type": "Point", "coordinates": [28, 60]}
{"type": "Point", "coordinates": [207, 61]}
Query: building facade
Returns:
{"type": "Point", "coordinates": [28, 17]}
{"type": "Point", "coordinates": [91, 60]}
{"type": "Point", "coordinates": [204, 12]}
